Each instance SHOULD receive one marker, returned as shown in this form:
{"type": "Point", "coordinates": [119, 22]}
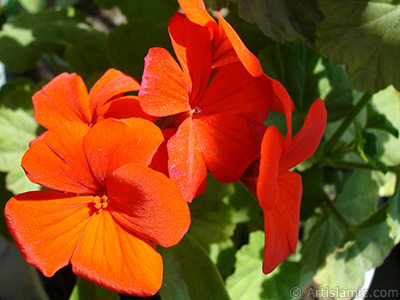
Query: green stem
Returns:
{"type": "Point", "coordinates": [337, 214]}
{"type": "Point", "coordinates": [37, 284]}
{"type": "Point", "coordinates": [330, 144]}
{"type": "Point", "coordinates": [5, 7]}
{"type": "Point", "coordinates": [358, 165]}
{"type": "Point", "coordinates": [56, 67]}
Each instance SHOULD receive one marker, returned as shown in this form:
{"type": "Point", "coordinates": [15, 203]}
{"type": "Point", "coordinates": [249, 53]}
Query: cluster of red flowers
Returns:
{"type": "Point", "coordinates": [118, 182]}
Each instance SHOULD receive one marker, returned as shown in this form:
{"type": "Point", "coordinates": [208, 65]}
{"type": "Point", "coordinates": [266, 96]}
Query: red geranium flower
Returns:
{"type": "Point", "coordinates": [228, 47]}
{"type": "Point", "coordinates": [65, 98]}
{"type": "Point", "coordinates": [219, 121]}
{"type": "Point", "coordinates": [106, 209]}
{"type": "Point", "coordinates": [279, 190]}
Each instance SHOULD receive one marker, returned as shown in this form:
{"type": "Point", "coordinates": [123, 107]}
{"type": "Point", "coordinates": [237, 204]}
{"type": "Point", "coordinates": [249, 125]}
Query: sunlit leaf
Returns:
{"type": "Point", "coordinates": [248, 282]}
{"type": "Point", "coordinates": [33, 6]}
{"type": "Point", "coordinates": [364, 36]}
{"type": "Point", "coordinates": [352, 262]}
{"type": "Point", "coordinates": [366, 147]}
{"type": "Point", "coordinates": [379, 121]}
{"type": "Point", "coordinates": [393, 219]}
{"type": "Point", "coordinates": [387, 102]}
{"type": "Point", "coordinates": [18, 128]}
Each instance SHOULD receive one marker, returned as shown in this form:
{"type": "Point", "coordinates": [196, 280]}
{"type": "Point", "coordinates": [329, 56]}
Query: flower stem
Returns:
{"type": "Point", "coordinates": [358, 165]}
{"type": "Point", "coordinates": [337, 214]}
{"type": "Point", "coordinates": [330, 144]}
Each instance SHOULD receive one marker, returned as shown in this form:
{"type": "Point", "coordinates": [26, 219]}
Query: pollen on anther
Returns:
{"type": "Point", "coordinates": [100, 202]}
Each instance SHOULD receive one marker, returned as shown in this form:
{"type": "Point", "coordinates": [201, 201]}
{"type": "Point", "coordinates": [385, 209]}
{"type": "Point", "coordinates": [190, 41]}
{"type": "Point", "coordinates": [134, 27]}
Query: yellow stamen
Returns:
{"type": "Point", "coordinates": [100, 202]}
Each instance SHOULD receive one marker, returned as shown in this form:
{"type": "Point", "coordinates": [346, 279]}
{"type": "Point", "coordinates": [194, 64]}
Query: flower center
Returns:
{"type": "Point", "coordinates": [100, 202]}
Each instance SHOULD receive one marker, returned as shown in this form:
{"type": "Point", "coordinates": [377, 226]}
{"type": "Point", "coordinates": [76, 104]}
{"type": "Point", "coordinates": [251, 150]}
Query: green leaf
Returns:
{"type": "Point", "coordinates": [18, 280]}
{"type": "Point", "coordinates": [356, 202]}
{"type": "Point", "coordinates": [248, 282]}
{"type": "Point", "coordinates": [366, 147]}
{"type": "Point", "coordinates": [313, 196]}
{"type": "Point", "coordinates": [33, 6]}
{"type": "Point", "coordinates": [283, 20]}
{"type": "Point", "coordinates": [5, 195]}
{"type": "Point", "coordinates": [190, 274]}
{"type": "Point", "coordinates": [379, 121]}
{"type": "Point", "coordinates": [393, 218]}
{"type": "Point", "coordinates": [20, 49]}
{"type": "Point", "coordinates": [355, 259]}
{"type": "Point", "coordinates": [293, 65]}
{"type": "Point", "coordinates": [334, 89]}
{"type": "Point", "coordinates": [127, 45]}
{"type": "Point", "coordinates": [358, 198]}
{"type": "Point", "coordinates": [216, 4]}
{"type": "Point", "coordinates": [85, 48]}
{"type": "Point", "coordinates": [64, 3]}
{"type": "Point", "coordinates": [159, 11]}
{"type": "Point", "coordinates": [387, 102]}
{"type": "Point", "coordinates": [323, 238]}
{"type": "Point", "coordinates": [212, 217]}
{"type": "Point", "coordinates": [307, 77]}
{"type": "Point", "coordinates": [222, 255]}
{"type": "Point", "coordinates": [85, 290]}
{"type": "Point", "coordinates": [18, 128]}
{"type": "Point", "coordinates": [247, 209]}
{"type": "Point", "coordinates": [363, 35]}
{"type": "Point", "coordinates": [19, 54]}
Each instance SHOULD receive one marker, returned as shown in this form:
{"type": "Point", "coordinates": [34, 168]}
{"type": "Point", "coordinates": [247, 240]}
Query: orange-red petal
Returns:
{"type": "Point", "coordinates": [271, 153]}
{"type": "Point", "coordinates": [306, 141]}
{"type": "Point", "coordinates": [233, 90]}
{"type": "Point", "coordinates": [160, 158]}
{"type": "Point", "coordinates": [148, 203]}
{"type": "Point", "coordinates": [123, 108]}
{"type": "Point", "coordinates": [196, 12]}
{"type": "Point", "coordinates": [282, 222]}
{"type": "Point", "coordinates": [111, 84]}
{"type": "Point", "coordinates": [193, 49]}
{"type": "Point", "coordinates": [248, 59]}
{"type": "Point", "coordinates": [112, 257]}
{"type": "Point", "coordinates": [165, 87]}
{"type": "Point", "coordinates": [46, 226]}
{"type": "Point", "coordinates": [186, 164]}
{"type": "Point", "coordinates": [63, 99]}
{"type": "Point", "coordinates": [228, 143]}
{"type": "Point", "coordinates": [58, 162]}
{"type": "Point", "coordinates": [112, 143]}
